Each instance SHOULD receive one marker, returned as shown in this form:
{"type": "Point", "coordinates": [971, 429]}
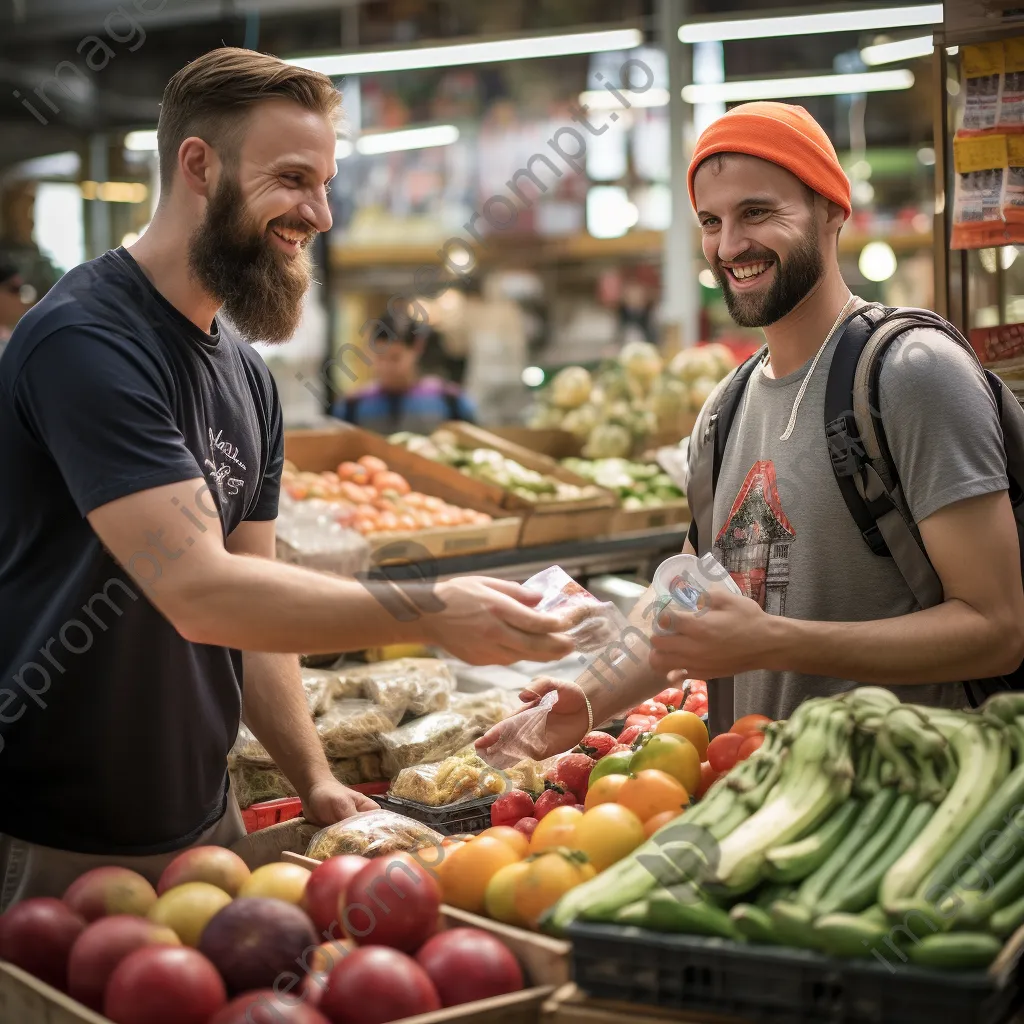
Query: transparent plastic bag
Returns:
{"type": "Point", "coordinates": [309, 534]}
{"type": "Point", "coordinates": [424, 685]}
{"type": "Point", "coordinates": [352, 727]}
{"type": "Point", "coordinates": [372, 834]}
{"type": "Point", "coordinates": [248, 750]}
{"type": "Point", "coordinates": [488, 707]}
{"type": "Point", "coordinates": [463, 776]}
{"type": "Point", "coordinates": [252, 784]}
{"type": "Point", "coordinates": [323, 687]}
{"type": "Point", "coordinates": [423, 740]}
{"type": "Point", "coordinates": [522, 737]}
{"type": "Point", "coordinates": [392, 693]}
{"type": "Point", "coordinates": [592, 624]}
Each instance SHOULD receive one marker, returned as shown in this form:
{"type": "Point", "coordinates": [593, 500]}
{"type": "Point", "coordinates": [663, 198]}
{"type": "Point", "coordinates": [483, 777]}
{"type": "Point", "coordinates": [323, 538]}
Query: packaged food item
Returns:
{"type": "Point", "coordinates": [487, 707]}
{"type": "Point", "coordinates": [980, 165]}
{"type": "Point", "coordinates": [418, 685]}
{"type": "Point", "coordinates": [592, 624]}
{"type": "Point", "coordinates": [347, 770]}
{"type": "Point", "coordinates": [463, 776]}
{"type": "Point", "coordinates": [369, 768]}
{"type": "Point", "coordinates": [309, 534]}
{"type": "Point", "coordinates": [372, 834]}
{"type": "Point", "coordinates": [684, 579]}
{"type": "Point", "coordinates": [1011, 92]}
{"type": "Point", "coordinates": [248, 750]}
{"type": "Point", "coordinates": [323, 687]}
{"type": "Point", "coordinates": [252, 784]}
{"type": "Point", "coordinates": [423, 740]}
{"type": "Point", "coordinates": [1012, 202]}
{"type": "Point", "coordinates": [982, 67]}
{"type": "Point", "coordinates": [352, 727]}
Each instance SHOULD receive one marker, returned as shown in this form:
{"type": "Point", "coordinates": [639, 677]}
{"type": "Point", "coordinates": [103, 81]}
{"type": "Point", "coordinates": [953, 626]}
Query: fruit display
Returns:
{"type": "Point", "coordinates": [491, 467]}
{"type": "Point", "coordinates": [628, 398]}
{"type": "Point", "coordinates": [370, 498]}
{"type": "Point", "coordinates": [859, 828]}
{"type": "Point", "coordinates": [636, 484]}
{"type": "Point", "coordinates": [360, 942]}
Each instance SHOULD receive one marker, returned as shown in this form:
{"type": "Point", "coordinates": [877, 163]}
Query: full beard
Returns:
{"type": "Point", "coordinates": [793, 280]}
{"type": "Point", "coordinates": [260, 289]}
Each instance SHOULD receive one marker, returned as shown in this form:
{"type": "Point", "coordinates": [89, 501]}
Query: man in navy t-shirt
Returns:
{"type": "Point", "coordinates": [141, 447]}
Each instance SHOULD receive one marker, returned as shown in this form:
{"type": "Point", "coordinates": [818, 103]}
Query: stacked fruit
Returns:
{"type": "Point", "coordinates": [372, 499]}
{"type": "Point", "coordinates": [352, 942]}
{"type": "Point", "coordinates": [854, 818]}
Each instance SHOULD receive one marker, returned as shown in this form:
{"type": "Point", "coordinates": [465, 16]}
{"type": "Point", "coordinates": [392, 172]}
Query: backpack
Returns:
{"type": "Point", "coordinates": [863, 465]}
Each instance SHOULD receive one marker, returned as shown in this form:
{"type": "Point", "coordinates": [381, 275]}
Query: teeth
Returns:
{"type": "Point", "coordinates": [752, 270]}
{"type": "Point", "coordinates": [293, 239]}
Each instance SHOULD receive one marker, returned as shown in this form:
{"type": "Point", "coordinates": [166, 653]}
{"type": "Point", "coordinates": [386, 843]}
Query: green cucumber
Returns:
{"type": "Point", "coordinates": [869, 819]}
{"type": "Point", "coordinates": [633, 913]}
{"type": "Point", "coordinates": [795, 861]}
{"type": "Point", "coordinates": [977, 910]}
{"type": "Point", "coordinates": [769, 892]}
{"type": "Point", "coordinates": [793, 925]}
{"type": "Point", "coordinates": [1005, 921]}
{"type": "Point", "coordinates": [754, 923]}
{"type": "Point", "coordinates": [965, 951]}
{"type": "Point", "coordinates": [857, 887]}
{"type": "Point", "coordinates": [849, 935]}
{"type": "Point", "coordinates": [683, 908]}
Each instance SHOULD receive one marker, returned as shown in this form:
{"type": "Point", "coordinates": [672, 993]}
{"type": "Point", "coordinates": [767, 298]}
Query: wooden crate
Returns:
{"type": "Point", "coordinates": [545, 960]}
{"type": "Point", "coordinates": [644, 520]}
{"type": "Point", "coordinates": [568, 1005]}
{"type": "Point", "coordinates": [320, 450]}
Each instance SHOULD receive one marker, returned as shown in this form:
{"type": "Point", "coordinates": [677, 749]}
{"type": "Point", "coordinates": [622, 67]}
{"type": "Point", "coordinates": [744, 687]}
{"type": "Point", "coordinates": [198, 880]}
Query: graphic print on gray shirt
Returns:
{"type": "Point", "coordinates": [781, 526]}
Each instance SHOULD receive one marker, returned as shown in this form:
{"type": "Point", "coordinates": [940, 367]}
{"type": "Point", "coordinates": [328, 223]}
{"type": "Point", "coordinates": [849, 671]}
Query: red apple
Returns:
{"type": "Point", "coordinates": [324, 898]}
{"type": "Point", "coordinates": [375, 985]}
{"type": "Point", "coordinates": [37, 935]}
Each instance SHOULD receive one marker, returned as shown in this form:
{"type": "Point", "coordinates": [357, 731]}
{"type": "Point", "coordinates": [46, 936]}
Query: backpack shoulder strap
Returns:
{"type": "Point", "coordinates": [451, 401]}
{"type": "Point", "coordinates": [707, 463]}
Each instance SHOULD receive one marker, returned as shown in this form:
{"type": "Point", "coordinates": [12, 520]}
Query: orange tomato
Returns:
{"type": "Point", "coordinates": [605, 790]}
{"type": "Point", "coordinates": [466, 870]}
{"type": "Point", "coordinates": [547, 879]}
{"type": "Point", "coordinates": [500, 898]}
{"type": "Point", "coordinates": [298, 492]}
{"type": "Point", "coordinates": [388, 481]}
{"type": "Point", "coordinates": [673, 754]}
{"type": "Point", "coordinates": [373, 465]}
{"type": "Point", "coordinates": [353, 492]}
{"type": "Point", "coordinates": [606, 834]}
{"type": "Point", "coordinates": [653, 824]}
{"type": "Point", "coordinates": [708, 777]}
{"type": "Point", "coordinates": [749, 745]}
{"type": "Point", "coordinates": [557, 828]}
{"type": "Point", "coordinates": [689, 726]}
{"type": "Point", "coordinates": [353, 472]}
{"type": "Point", "coordinates": [652, 791]}
{"type": "Point", "coordinates": [406, 521]}
{"type": "Point", "coordinates": [387, 521]}
{"type": "Point", "coordinates": [432, 503]}
{"type": "Point", "coordinates": [508, 835]}
{"type": "Point", "coordinates": [750, 724]}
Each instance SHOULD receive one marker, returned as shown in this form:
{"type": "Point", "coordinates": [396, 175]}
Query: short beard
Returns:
{"type": "Point", "coordinates": [260, 289]}
{"type": "Point", "coordinates": [794, 279]}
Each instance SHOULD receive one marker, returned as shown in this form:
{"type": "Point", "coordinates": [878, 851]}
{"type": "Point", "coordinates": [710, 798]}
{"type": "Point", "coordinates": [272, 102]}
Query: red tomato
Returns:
{"type": "Point", "coordinates": [405, 916]}
{"type": "Point", "coordinates": [400, 987]}
{"type": "Point", "coordinates": [645, 722]}
{"type": "Point", "coordinates": [749, 745]}
{"type": "Point", "coordinates": [708, 777]}
{"type": "Point", "coordinates": [466, 964]}
{"type": "Point", "coordinates": [652, 708]}
{"type": "Point", "coordinates": [750, 724]}
{"type": "Point", "coordinates": [629, 736]}
{"type": "Point", "coordinates": [672, 697]}
{"type": "Point", "coordinates": [723, 751]}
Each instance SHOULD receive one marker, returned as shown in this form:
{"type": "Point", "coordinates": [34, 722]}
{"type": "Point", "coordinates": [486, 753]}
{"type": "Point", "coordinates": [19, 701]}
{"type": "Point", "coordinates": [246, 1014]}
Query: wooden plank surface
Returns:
{"type": "Point", "coordinates": [26, 1000]}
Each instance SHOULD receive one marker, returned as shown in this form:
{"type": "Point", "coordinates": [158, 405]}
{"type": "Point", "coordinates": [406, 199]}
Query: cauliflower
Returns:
{"type": "Point", "coordinates": [580, 422]}
{"type": "Point", "coordinates": [571, 387]}
{"type": "Point", "coordinates": [700, 392]}
{"type": "Point", "coordinates": [641, 361]}
{"type": "Point", "coordinates": [668, 396]}
{"type": "Point", "coordinates": [608, 441]}
{"type": "Point", "coordinates": [691, 364]}
{"type": "Point", "coordinates": [724, 356]}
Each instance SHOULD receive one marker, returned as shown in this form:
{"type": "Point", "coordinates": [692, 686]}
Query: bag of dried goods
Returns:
{"type": "Point", "coordinates": [415, 685]}
{"type": "Point", "coordinates": [447, 782]}
{"type": "Point", "coordinates": [352, 727]}
{"type": "Point", "coordinates": [323, 687]}
{"type": "Point", "coordinates": [371, 834]}
{"type": "Point", "coordinates": [431, 738]}
{"type": "Point", "coordinates": [346, 770]}
{"type": "Point", "coordinates": [248, 750]}
{"type": "Point", "coordinates": [369, 768]}
{"type": "Point", "coordinates": [487, 707]}
{"type": "Point", "coordinates": [253, 784]}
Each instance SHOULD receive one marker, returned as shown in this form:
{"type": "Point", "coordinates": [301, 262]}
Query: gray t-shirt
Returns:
{"type": "Point", "coordinates": [781, 526]}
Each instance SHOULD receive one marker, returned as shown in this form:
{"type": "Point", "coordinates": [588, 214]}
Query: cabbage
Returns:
{"type": "Point", "coordinates": [668, 396]}
{"type": "Point", "coordinates": [641, 361]}
{"type": "Point", "coordinates": [691, 364]}
{"type": "Point", "coordinates": [608, 441]}
{"type": "Point", "coordinates": [724, 356]}
{"type": "Point", "coordinates": [580, 422]}
{"type": "Point", "coordinates": [571, 387]}
{"type": "Point", "coordinates": [546, 417]}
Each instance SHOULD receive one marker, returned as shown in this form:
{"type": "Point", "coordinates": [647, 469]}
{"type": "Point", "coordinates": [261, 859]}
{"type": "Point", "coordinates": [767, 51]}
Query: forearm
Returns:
{"type": "Point", "coordinates": [275, 709]}
{"type": "Point", "coordinates": [947, 643]}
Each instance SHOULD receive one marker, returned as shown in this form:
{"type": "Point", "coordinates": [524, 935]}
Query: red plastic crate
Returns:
{"type": "Point", "coordinates": [271, 812]}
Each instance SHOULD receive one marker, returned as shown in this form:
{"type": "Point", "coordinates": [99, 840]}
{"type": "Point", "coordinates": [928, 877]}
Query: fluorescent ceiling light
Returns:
{"type": "Point", "coordinates": [456, 54]}
{"type": "Point", "coordinates": [408, 138]}
{"type": "Point", "coordinates": [343, 148]}
{"type": "Point", "coordinates": [863, 20]}
{"type": "Point", "coordinates": [901, 49]}
{"type": "Point", "coordinates": [140, 142]}
{"type": "Point", "coordinates": [602, 99]}
{"type": "Point", "coordinates": [788, 88]}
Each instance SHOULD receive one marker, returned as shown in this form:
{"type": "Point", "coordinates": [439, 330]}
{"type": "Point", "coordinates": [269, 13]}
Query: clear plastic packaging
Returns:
{"type": "Point", "coordinates": [252, 784]}
{"type": "Point", "coordinates": [683, 580]}
{"type": "Point", "coordinates": [347, 770]}
{"type": "Point", "coordinates": [463, 776]}
{"type": "Point", "coordinates": [248, 750]}
{"type": "Point", "coordinates": [372, 834]}
{"type": "Point", "coordinates": [309, 534]}
{"type": "Point", "coordinates": [419, 685]}
{"type": "Point", "coordinates": [522, 737]}
{"type": "Point", "coordinates": [352, 727]}
{"type": "Point", "coordinates": [423, 740]}
{"type": "Point", "coordinates": [488, 707]}
{"type": "Point", "coordinates": [323, 687]}
{"type": "Point", "coordinates": [592, 624]}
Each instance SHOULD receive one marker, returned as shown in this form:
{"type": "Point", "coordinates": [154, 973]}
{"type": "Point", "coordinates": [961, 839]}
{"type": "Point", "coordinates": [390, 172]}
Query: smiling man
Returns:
{"type": "Point", "coordinates": [820, 610]}
{"type": "Point", "coordinates": [141, 448]}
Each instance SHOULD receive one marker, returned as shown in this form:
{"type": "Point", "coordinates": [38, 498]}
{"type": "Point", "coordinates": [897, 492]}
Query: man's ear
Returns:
{"type": "Point", "coordinates": [198, 165]}
{"type": "Point", "coordinates": [835, 217]}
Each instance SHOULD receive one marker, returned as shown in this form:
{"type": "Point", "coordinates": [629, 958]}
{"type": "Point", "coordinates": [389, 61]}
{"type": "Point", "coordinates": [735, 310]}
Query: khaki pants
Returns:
{"type": "Point", "coordinates": [27, 869]}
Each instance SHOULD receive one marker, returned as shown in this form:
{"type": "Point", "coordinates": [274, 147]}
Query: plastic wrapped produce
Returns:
{"type": "Point", "coordinates": [346, 770]}
{"type": "Point", "coordinates": [369, 768]}
{"type": "Point", "coordinates": [461, 777]}
{"type": "Point", "coordinates": [592, 624]}
{"type": "Point", "coordinates": [309, 534]}
{"type": "Point", "coordinates": [352, 727]}
{"type": "Point", "coordinates": [423, 740]}
{"type": "Point", "coordinates": [415, 685]}
{"type": "Point", "coordinates": [324, 686]}
{"type": "Point", "coordinates": [248, 750]}
{"type": "Point", "coordinates": [372, 834]}
{"type": "Point", "coordinates": [488, 707]}
{"type": "Point", "coordinates": [253, 784]}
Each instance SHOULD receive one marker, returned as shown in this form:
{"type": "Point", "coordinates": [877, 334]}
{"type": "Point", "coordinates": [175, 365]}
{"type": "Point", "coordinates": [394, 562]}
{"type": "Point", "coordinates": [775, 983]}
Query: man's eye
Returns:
{"type": "Point", "coordinates": [756, 212]}
{"type": "Point", "coordinates": [709, 223]}
{"type": "Point", "coordinates": [292, 179]}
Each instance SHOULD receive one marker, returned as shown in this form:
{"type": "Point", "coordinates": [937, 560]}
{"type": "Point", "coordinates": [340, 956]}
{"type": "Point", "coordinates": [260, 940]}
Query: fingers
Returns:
{"type": "Point", "coordinates": [514, 590]}
{"type": "Point", "coordinates": [516, 615]}
{"type": "Point", "coordinates": [363, 802]}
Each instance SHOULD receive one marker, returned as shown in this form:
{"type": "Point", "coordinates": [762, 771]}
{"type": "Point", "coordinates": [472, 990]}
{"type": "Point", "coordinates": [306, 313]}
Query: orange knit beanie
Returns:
{"type": "Point", "coordinates": [783, 134]}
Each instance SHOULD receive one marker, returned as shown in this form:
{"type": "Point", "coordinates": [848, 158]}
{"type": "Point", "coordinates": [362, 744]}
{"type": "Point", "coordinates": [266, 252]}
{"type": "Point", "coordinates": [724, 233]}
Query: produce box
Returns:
{"type": "Point", "coordinates": [455, 819]}
{"type": "Point", "coordinates": [784, 985]}
{"type": "Point", "coordinates": [569, 1005]}
{"type": "Point", "coordinates": [322, 450]}
{"type": "Point", "coordinates": [545, 960]}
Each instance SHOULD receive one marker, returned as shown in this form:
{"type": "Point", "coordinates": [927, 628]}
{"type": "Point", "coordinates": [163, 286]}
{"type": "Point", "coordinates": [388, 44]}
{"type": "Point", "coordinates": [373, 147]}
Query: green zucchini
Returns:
{"type": "Point", "coordinates": [754, 923]}
{"type": "Point", "coordinates": [795, 861]}
{"type": "Point", "coordinates": [793, 925]}
{"type": "Point", "coordinates": [1005, 921]}
{"type": "Point", "coordinates": [965, 951]}
{"type": "Point", "coordinates": [978, 907]}
{"type": "Point", "coordinates": [633, 913]}
{"type": "Point", "coordinates": [849, 935]}
{"type": "Point", "coordinates": [683, 908]}
{"type": "Point", "coordinates": [869, 819]}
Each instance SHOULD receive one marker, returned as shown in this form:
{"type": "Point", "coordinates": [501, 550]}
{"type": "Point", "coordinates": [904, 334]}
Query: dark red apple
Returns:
{"type": "Point", "coordinates": [325, 892]}
{"type": "Point", "coordinates": [467, 964]}
{"type": "Point", "coordinates": [164, 985]}
{"type": "Point", "coordinates": [37, 935]}
{"type": "Point", "coordinates": [375, 985]}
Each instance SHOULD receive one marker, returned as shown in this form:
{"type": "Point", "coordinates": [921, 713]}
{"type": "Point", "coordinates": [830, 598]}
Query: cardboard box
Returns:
{"type": "Point", "coordinates": [321, 450]}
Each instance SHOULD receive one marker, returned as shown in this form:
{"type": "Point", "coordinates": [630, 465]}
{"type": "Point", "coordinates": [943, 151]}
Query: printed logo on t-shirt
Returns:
{"type": "Point", "coordinates": [224, 467]}
{"type": "Point", "coordinates": [753, 544]}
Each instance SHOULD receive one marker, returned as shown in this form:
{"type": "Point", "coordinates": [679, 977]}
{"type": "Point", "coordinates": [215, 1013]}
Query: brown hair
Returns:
{"type": "Point", "coordinates": [210, 97]}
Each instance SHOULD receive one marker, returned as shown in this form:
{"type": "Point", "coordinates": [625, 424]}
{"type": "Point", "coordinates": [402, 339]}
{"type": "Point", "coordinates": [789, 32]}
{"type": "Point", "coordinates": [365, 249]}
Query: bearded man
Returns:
{"type": "Point", "coordinates": [141, 449]}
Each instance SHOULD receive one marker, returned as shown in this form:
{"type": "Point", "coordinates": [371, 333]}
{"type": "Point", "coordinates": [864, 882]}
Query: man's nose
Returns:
{"type": "Point", "coordinates": [318, 212]}
{"type": "Point", "coordinates": [732, 241]}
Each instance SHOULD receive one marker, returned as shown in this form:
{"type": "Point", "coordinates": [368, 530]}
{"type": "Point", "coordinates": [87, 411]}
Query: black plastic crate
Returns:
{"type": "Point", "coordinates": [774, 985]}
{"type": "Point", "coordinates": [449, 819]}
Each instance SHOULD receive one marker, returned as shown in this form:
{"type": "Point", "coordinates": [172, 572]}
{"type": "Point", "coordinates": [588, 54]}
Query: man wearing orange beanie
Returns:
{"type": "Point", "coordinates": [819, 607]}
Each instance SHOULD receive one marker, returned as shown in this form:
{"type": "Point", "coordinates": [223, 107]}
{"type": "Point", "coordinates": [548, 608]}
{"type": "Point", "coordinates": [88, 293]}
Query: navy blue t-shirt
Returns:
{"type": "Point", "coordinates": [114, 729]}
